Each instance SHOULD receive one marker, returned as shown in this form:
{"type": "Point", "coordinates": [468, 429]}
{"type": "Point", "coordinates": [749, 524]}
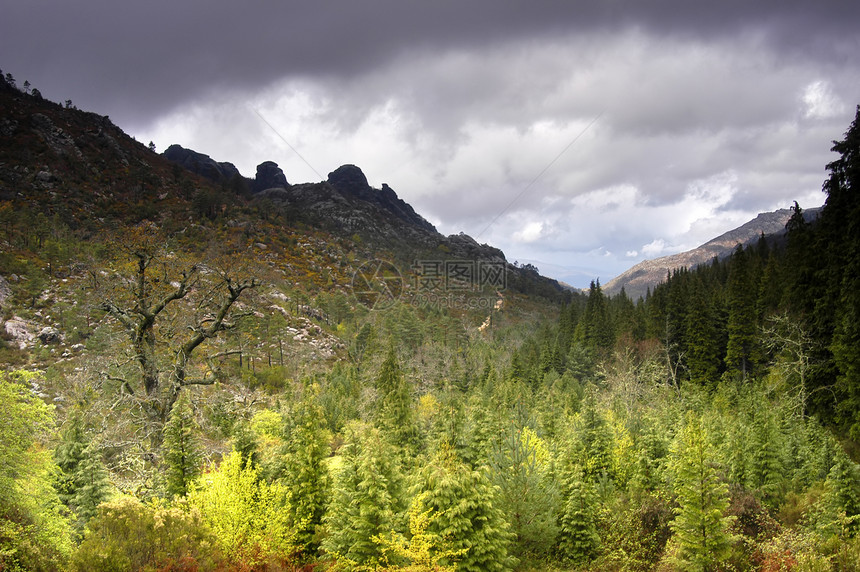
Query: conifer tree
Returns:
{"type": "Point", "coordinates": [742, 350]}
{"type": "Point", "coordinates": [301, 466]}
{"type": "Point", "coordinates": [527, 494]}
{"type": "Point", "coordinates": [68, 455]}
{"type": "Point", "coordinates": [593, 444]}
{"type": "Point", "coordinates": [767, 469]}
{"type": "Point", "coordinates": [843, 205]}
{"type": "Point", "coordinates": [595, 327]}
{"type": "Point", "coordinates": [579, 540]}
{"type": "Point", "coordinates": [368, 499]}
{"type": "Point", "coordinates": [394, 414]}
{"type": "Point", "coordinates": [843, 498]}
{"type": "Point", "coordinates": [700, 526]}
{"type": "Point", "coordinates": [182, 455]}
{"type": "Point", "coordinates": [652, 450]}
{"type": "Point", "coordinates": [245, 443]}
{"type": "Point", "coordinates": [83, 482]}
{"type": "Point", "coordinates": [92, 485]}
{"type": "Point", "coordinates": [703, 356]}
{"type": "Point", "coordinates": [463, 504]}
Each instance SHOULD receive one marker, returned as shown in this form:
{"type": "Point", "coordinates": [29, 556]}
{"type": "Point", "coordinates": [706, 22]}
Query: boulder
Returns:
{"type": "Point", "coordinates": [49, 335]}
{"type": "Point", "coordinates": [18, 332]}
{"type": "Point", "coordinates": [350, 181]}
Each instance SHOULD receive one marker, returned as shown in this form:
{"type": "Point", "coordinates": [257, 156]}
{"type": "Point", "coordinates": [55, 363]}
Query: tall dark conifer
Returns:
{"type": "Point", "coordinates": [703, 359]}
{"type": "Point", "coordinates": [742, 352]}
{"type": "Point", "coordinates": [182, 455]}
{"type": "Point", "coordinates": [842, 210]}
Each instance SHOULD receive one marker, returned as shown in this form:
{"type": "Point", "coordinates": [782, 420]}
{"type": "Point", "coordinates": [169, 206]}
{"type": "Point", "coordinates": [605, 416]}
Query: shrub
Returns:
{"type": "Point", "coordinates": [130, 535]}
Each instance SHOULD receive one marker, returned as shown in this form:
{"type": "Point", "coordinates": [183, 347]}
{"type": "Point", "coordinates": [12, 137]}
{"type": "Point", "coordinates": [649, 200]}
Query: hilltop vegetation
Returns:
{"type": "Point", "coordinates": [218, 380]}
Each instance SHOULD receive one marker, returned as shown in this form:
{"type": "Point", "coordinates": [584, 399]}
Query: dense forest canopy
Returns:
{"type": "Point", "coordinates": [189, 412]}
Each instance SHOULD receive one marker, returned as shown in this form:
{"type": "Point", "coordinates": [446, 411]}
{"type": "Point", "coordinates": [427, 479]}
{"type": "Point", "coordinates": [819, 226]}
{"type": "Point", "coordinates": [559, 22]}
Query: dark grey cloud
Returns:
{"type": "Point", "coordinates": [135, 60]}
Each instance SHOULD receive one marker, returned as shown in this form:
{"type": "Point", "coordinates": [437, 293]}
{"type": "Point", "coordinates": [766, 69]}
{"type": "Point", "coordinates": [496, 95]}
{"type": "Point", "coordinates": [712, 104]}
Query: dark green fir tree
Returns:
{"type": "Point", "coordinates": [464, 513]}
{"type": "Point", "coordinates": [182, 453]}
{"type": "Point", "coordinates": [368, 499]}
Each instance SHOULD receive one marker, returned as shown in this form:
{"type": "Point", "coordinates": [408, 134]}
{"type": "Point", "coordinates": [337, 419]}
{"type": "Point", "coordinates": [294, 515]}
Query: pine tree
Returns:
{"type": "Point", "coordinates": [843, 204]}
{"type": "Point", "coordinates": [703, 355]}
{"type": "Point", "coordinates": [83, 483]}
{"type": "Point", "coordinates": [843, 499]}
{"type": "Point", "coordinates": [579, 541]}
{"type": "Point", "coordinates": [767, 469]}
{"type": "Point", "coordinates": [245, 443]}
{"type": "Point", "coordinates": [394, 414]}
{"type": "Point", "coordinates": [594, 329]}
{"type": "Point", "coordinates": [92, 485]}
{"type": "Point", "coordinates": [527, 494]}
{"type": "Point", "coordinates": [68, 455]}
{"type": "Point", "coordinates": [463, 509]}
{"type": "Point", "coordinates": [182, 455]}
{"type": "Point", "coordinates": [301, 467]}
{"type": "Point", "coordinates": [742, 351]}
{"type": "Point", "coordinates": [700, 526]}
{"type": "Point", "coordinates": [593, 438]}
{"type": "Point", "coordinates": [368, 499]}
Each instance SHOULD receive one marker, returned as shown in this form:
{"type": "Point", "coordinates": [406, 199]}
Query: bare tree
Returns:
{"type": "Point", "coordinates": [168, 312]}
{"type": "Point", "coordinates": [792, 348]}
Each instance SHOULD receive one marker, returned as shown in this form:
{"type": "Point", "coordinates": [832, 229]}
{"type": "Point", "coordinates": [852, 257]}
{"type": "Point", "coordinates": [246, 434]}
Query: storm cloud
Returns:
{"type": "Point", "coordinates": [580, 135]}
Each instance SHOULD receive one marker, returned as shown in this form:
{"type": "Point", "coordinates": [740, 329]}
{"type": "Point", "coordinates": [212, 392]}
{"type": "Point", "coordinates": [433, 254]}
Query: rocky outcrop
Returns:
{"type": "Point", "coordinates": [18, 331]}
{"type": "Point", "coordinates": [56, 138]}
{"type": "Point", "coordinates": [5, 292]}
{"type": "Point", "coordinates": [350, 181]}
{"type": "Point", "coordinates": [201, 164]}
{"type": "Point", "coordinates": [269, 176]}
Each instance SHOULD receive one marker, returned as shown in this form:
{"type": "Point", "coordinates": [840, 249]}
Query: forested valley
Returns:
{"type": "Point", "coordinates": [211, 409]}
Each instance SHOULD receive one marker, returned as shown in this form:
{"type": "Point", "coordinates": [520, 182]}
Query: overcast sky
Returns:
{"type": "Point", "coordinates": [581, 136]}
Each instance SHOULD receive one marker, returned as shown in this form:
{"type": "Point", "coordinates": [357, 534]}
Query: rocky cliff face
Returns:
{"type": "Point", "coordinates": [650, 273]}
{"type": "Point", "coordinates": [350, 180]}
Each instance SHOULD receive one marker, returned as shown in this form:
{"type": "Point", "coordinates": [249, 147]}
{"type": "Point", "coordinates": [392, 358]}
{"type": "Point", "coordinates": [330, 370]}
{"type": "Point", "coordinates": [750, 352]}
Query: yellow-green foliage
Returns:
{"type": "Point", "coordinates": [424, 551]}
{"type": "Point", "coordinates": [34, 533]}
{"type": "Point", "coordinates": [701, 527]}
{"type": "Point", "coordinates": [130, 535]}
{"type": "Point", "coordinates": [267, 428]}
{"type": "Point", "coordinates": [248, 517]}
{"type": "Point", "coordinates": [537, 448]}
{"type": "Point", "coordinates": [623, 450]}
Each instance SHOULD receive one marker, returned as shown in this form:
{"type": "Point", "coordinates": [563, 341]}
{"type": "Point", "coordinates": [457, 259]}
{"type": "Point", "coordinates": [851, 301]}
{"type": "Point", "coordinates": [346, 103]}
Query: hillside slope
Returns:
{"type": "Point", "coordinates": [58, 163]}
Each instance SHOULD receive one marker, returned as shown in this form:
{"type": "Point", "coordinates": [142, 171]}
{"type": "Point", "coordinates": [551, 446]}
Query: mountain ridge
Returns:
{"type": "Point", "coordinates": [638, 279]}
{"type": "Point", "coordinates": [78, 167]}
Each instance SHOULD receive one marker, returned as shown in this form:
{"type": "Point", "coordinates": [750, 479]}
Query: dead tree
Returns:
{"type": "Point", "coordinates": [163, 355]}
